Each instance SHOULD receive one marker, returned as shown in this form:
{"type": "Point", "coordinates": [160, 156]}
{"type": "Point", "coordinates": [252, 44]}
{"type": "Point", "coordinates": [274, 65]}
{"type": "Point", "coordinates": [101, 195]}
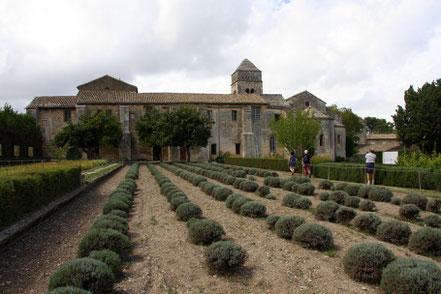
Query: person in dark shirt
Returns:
{"type": "Point", "coordinates": [307, 164]}
{"type": "Point", "coordinates": [292, 162]}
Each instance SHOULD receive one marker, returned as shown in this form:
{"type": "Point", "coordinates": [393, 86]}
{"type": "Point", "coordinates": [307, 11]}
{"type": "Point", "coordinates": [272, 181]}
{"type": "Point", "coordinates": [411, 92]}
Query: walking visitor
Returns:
{"type": "Point", "coordinates": [370, 166]}
{"type": "Point", "coordinates": [307, 164]}
{"type": "Point", "coordinates": [292, 162]}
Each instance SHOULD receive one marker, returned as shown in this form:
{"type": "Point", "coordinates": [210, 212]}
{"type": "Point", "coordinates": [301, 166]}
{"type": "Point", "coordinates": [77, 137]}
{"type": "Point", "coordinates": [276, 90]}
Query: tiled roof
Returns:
{"type": "Point", "coordinates": [305, 94]}
{"type": "Point", "coordinates": [382, 136]}
{"type": "Point", "coordinates": [247, 65]}
{"type": "Point", "coordinates": [120, 97]}
{"type": "Point", "coordinates": [275, 101]}
{"type": "Point", "coordinates": [390, 146]}
{"type": "Point", "coordinates": [107, 78]}
{"type": "Point", "coordinates": [53, 102]}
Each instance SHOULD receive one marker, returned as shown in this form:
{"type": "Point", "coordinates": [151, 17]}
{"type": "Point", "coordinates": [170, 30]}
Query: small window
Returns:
{"type": "Point", "coordinates": [233, 114]}
{"type": "Point", "coordinates": [338, 140]}
{"type": "Point", "coordinates": [132, 115]}
{"type": "Point", "coordinates": [272, 144]}
{"type": "Point", "coordinates": [322, 140]}
{"type": "Point", "coordinates": [67, 115]}
{"type": "Point", "coordinates": [148, 110]}
{"type": "Point", "coordinates": [247, 90]}
{"type": "Point", "coordinates": [307, 103]}
{"type": "Point", "coordinates": [234, 92]}
{"type": "Point", "coordinates": [213, 149]}
{"type": "Point", "coordinates": [109, 111]}
{"type": "Point", "coordinates": [237, 148]}
{"type": "Point", "coordinates": [255, 113]}
{"type": "Point", "coordinates": [99, 111]}
{"type": "Point", "coordinates": [252, 91]}
{"type": "Point", "coordinates": [210, 114]}
{"type": "Point", "coordinates": [166, 108]}
{"type": "Point", "coordinates": [277, 116]}
{"type": "Point", "coordinates": [106, 88]}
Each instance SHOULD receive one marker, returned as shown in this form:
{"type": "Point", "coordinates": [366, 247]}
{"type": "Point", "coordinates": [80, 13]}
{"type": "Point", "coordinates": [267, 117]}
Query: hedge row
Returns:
{"type": "Point", "coordinates": [103, 249]}
{"type": "Point", "coordinates": [221, 256]}
{"type": "Point", "coordinates": [235, 172]}
{"type": "Point", "coordinates": [251, 171]}
{"type": "Point", "coordinates": [26, 192]}
{"type": "Point", "coordinates": [386, 175]}
{"type": "Point", "coordinates": [263, 163]}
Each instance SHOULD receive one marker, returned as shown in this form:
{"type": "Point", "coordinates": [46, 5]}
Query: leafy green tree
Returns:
{"type": "Point", "coordinates": [419, 122]}
{"type": "Point", "coordinates": [379, 125]}
{"type": "Point", "coordinates": [353, 126]}
{"type": "Point", "coordinates": [18, 129]}
{"type": "Point", "coordinates": [184, 127]}
{"type": "Point", "coordinates": [296, 132]}
{"type": "Point", "coordinates": [90, 133]}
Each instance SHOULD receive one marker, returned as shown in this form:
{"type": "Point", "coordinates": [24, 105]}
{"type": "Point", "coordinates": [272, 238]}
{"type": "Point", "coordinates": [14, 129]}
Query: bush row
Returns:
{"type": "Point", "coordinates": [221, 255]}
{"type": "Point", "coordinates": [21, 193]}
{"type": "Point", "coordinates": [298, 184]}
{"type": "Point", "coordinates": [102, 250]}
{"type": "Point", "coordinates": [237, 172]}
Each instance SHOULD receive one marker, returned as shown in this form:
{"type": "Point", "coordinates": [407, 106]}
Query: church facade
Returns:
{"type": "Point", "coordinates": [240, 119]}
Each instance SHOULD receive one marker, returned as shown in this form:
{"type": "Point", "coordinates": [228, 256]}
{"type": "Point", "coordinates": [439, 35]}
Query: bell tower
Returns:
{"type": "Point", "coordinates": [246, 79]}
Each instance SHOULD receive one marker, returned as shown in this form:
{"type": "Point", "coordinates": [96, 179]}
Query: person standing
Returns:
{"type": "Point", "coordinates": [370, 166]}
{"type": "Point", "coordinates": [292, 162]}
{"type": "Point", "coordinates": [307, 161]}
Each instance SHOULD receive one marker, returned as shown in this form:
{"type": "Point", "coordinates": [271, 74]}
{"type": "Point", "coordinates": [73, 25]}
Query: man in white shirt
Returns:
{"type": "Point", "coordinates": [370, 166]}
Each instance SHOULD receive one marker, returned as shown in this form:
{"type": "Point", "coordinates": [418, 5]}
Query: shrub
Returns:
{"type": "Point", "coordinates": [252, 171]}
{"type": "Point", "coordinates": [253, 209]}
{"type": "Point", "coordinates": [271, 220]}
{"type": "Point", "coordinates": [274, 182]}
{"type": "Point", "coordinates": [395, 201]}
{"type": "Point", "coordinates": [365, 262]}
{"type": "Point", "coordinates": [113, 217]}
{"type": "Point", "coordinates": [266, 180]}
{"type": "Point", "coordinates": [288, 185]}
{"type": "Point", "coordinates": [313, 236]}
{"type": "Point", "coordinates": [363, 191]}
{"type": "Point", "coordinates": [271, 197]}
{"type": "Point", "coordinates": [204, 231]}
{"type": "Point", "coordinates": [434, 205]}
{"type": "Point", "coordinates": [352, 189]}
{"type": "Point", "coordinates": [115, 204]}
{"type": "Point", "coordinates": [110, 258]}
{"type": "Point", "coordinates": [404, 276]}
{"type": "Point", "coordinates": [240, 174]}
{"type": "Point", "coordinates": [409, 211]}
{"type": "Point", "coordinates": [285, 225]}
{"type": "Point", "coordinates": [119, 213]}
{"type": "Point", "coordinates": [326, 211]}
{"type": "Point", "coordinates": [338, 196]}
{"type": "Point", "coordinates": [238, 202]}
{"type": "Point", "coordinates": [231, 198]}
{"type": "Point", "coordinates": [416, 199]}
{"type": "Point", "coordinates": [68, 290]}
{"type": "Point", "coordinates": [237, 182]}
{"type": "Point", "coordinates": [394, 232]}
{"type": "Point", "coordinates": [433, 221]}
{"type": "Point", "coordinates": [302, 203]}
{"type": "Point", "coordinates": [300, 179]}
{"type": "Point", "coordinates": [426, 241]}
{"type": "Point", "coordinates": [111, 224]}
{"type": "Point", "coordinates": [305, 189]}
{"type": "Point", "coordinates": [288, 199]}
{"type": "Point", "coordinates": [221, 193]}
{"type": "Point", "coordinates": [344, 215]}
{"type": "Point", "coordinates": [224, 256]}
{"type": "Point", "coordinates": [208, 188]}
{"type": "Point", "coordinates": [340, 187]}
{"type": "Point", "coordinates": [188, 210]}
{"type": "Point", "coordinates": [100, 239]}
{"type": "Point", "coordinates": [324, 196]}
{"type": "Point", "coordinates": [86, 273]}
{"type": "Point", "coordinates": [249, 186]}
{"type": "Point", "coordinates": [352, 201]}
{"type": "Point", "coordinates": [176, 201]}
{"type": "Point", "coordinates": [367, 222]}
{"type": "Point", "coordinates": [326, 185]}
{"type": "Point", "coordinates": [367, 205]}
{"type": "Point", "coordinates": [263, 191]}
{"type": "Point", "coordinates": [380, 194]}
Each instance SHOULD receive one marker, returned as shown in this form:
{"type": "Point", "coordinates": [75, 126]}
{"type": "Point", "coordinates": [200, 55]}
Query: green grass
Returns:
{"type": "Point", "coordinates": [102, 171]}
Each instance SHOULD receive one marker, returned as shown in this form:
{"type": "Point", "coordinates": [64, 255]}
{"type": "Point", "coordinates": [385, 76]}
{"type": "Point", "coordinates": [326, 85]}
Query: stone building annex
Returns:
{"type": "Point", "coordinates": [240, 118]}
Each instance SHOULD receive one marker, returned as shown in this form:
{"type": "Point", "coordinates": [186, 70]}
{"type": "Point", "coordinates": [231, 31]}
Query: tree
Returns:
{"type": "Point", "coordinates": [91, 133]}
{"type": "Point", "coordinates": [184, 127]}
{"type": "Point", "coordinates": [379, 125]}
{"type": "Point", "coordinates": [419, 122]}
{"type": "Point", "coordinates": [296, 132]}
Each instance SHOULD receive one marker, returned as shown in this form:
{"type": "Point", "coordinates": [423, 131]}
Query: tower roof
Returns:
{"type": "Point", "coordinates": [247, 65]}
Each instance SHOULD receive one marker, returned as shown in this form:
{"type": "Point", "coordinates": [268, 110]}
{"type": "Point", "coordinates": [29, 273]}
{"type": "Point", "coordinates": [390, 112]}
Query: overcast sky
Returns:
{"type": "Point", "coordinates": [361, 54]}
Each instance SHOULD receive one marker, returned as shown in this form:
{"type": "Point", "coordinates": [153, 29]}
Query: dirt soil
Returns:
{"type": "Point", "coordinates": [164, 260]}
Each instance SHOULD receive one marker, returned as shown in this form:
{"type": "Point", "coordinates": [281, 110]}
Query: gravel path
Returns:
{"type": "Point", "coordinates": [28, 263]}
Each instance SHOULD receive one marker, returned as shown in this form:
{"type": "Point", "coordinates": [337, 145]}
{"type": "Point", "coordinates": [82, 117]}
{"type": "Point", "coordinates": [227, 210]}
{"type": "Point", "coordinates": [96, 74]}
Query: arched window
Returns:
{"type": "Point", "coordinates": [322, 140]}
{"type": "Point", "coordinates": [252, 91]}
{"type": "Point", "coordinates": [247, 90]}
{"type": "Point", "coordinates": [272, 144]}
{"type": "Point", "coordinates": [338, 140]}
{"type": "Point", "coordinates": [307, 103]}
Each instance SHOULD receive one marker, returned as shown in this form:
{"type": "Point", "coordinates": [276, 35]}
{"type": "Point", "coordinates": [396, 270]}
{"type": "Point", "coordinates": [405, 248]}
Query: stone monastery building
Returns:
{"type": "Point", "coordinates": [240, 118]}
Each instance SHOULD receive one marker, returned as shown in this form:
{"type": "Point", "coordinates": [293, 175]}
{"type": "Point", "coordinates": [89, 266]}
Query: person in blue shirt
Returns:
{"type": "Point", "coordinates": [292, 162]}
